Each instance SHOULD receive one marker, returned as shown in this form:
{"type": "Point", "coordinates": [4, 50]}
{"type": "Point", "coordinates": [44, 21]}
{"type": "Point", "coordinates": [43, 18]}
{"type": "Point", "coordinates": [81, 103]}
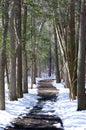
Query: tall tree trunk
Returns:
{"type": "Point", "coordinates": [49, 54]}
{"type": "Point", "coordinates": [56, 58]}
{"type": "Point", "coordinates": [81, 59]}
{"type": "Point", "coordinates": [32, 82]}
{"type": "Point", "coordinates": [19, 48]}
{"type": "Point", "coordinates": [39, 58]}
{"type": "Point", "coordinates": [2, 85]}
{"type": "Point", "coordinates": [25, 75]}
{"type": "Point", "coordinates": [33, 40]}
{"type": "Point", "coordinates": [12, 87]}
{"type": "Point", "coordinates": [5, 20]}
{"type": "Point", "coordinates": [71, 50]}
{"type": "Point", "coordinates": [49, 60]}
{"type": "Point", "coordinates": [3, 53]}
{"type": "Point", "coordinates": [5, 24]}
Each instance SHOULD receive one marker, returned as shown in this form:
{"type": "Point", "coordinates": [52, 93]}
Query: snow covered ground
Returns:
{"type": "Point", "coordinates": [67, 110]}
{"type": "Point", "coordinates": [63, 107]}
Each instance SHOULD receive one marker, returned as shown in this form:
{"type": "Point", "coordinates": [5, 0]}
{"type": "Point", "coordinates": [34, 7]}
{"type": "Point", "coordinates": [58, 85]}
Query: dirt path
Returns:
{"type": "Point", "coordinates": [36, 119]}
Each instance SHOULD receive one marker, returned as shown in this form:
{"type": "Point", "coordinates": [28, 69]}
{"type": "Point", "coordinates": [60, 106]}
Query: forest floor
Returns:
{"type": "Point", "coordinates": [38, 119]}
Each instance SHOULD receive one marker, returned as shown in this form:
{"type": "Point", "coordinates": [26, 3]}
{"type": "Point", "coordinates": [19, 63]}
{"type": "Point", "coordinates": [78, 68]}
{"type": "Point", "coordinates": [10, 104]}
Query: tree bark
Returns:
{"type": "Point", "coordinates": [3, 52]}
{"type": "Point", "coordinates": [24, 61]}
{"type": "Point", "coordinates": [71, 50]}
{"type": "Point", "coordinates": [33, 40]}
{"type": "Point", "coordinates": [12, 87]}
{"type": "Point", "coordinates": [2, 85]}
{"type": "Point", "coordinates": [56, 58]}
{"type": "Point", "coordinates": [49, 60]}
{"type": "Point", "coordinates": [81, 59]}
{"type": "Point", "coordinates": [19, 48]}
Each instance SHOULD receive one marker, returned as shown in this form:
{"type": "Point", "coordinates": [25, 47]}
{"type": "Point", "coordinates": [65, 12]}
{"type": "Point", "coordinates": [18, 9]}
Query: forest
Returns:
{"type": "Point", "coordinates": [39, 37]}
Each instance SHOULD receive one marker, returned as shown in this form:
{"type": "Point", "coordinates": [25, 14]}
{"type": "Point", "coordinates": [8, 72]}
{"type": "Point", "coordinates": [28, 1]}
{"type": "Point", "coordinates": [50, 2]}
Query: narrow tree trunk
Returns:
{"type": "Point", "coordinates": [49, 60]}
{"type": "Point", "coordinates": [3, 53]}
{"type": "Point", "coordinates": [7, 74]}
{"type": "Point", "coordinates": [25, 75]}
{"type": "Point", "coordinates": [71, 50]}
{"type": "Point", "coordinates": [32, 82]}
{"type": "Point", "coordinates": [39, 68]}
{"type": "Point", "coordinates": [12, 87]}
{"type": "Point", "coordinates": [5, 24]}
{"type": "Point", "coordinates": [56, 58]}
{"type": "Point", "coordinates": [2, 85]}
{"type": "Point", "coordinates": [49, 54]}
{"type": "Point", "coordinates": [33, 40]}
{"type": "Point", "coordinates": [5, 20]}
{"type": "Point", "coordinates": [81, 59]}
{"type": "Point", "coordinates": [19, 48]}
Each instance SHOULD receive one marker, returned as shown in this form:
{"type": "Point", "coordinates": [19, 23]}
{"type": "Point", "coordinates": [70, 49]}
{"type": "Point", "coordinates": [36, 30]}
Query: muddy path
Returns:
{"type": "Point", "coordinates": [37, 119]}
